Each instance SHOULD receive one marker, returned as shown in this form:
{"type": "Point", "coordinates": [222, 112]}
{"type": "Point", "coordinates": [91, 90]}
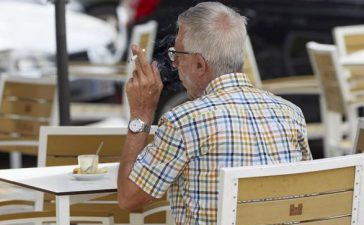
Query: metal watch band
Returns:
{"type": "Point", "coordinates": [144, 127]}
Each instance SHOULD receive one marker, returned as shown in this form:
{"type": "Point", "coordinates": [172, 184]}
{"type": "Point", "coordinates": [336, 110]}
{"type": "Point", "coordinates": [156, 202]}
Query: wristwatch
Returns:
{"type": "Point", "coordinates": [137, 125]}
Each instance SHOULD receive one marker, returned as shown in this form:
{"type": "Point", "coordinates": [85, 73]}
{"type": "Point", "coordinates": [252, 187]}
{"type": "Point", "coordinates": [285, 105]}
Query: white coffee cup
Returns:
{"type": "Point", "coordinates": [88, 164]}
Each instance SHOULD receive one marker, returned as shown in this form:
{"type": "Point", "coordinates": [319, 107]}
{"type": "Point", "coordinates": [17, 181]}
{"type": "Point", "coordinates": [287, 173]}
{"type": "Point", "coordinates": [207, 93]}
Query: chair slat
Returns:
{"type": "Point", "coordinates": [21, 126]}
{"type": "Point", "coordinates": [26, 108]}
{"type": "Point", "coordinates": [27, 150]}
{"type": "Point", "coordinates": [72, 160]}
{"type": "Point", "coordinates": [144, 40]}
{"type": "Point", "coordinates": [9, 137]}
{"type": "Point", "coordinates": [354, 42]}
{"type": "Point", "coordinates": [329, 82]}
{"type": "Point", "coordinates": [335, 221]}
{"type": "Point", "coordinates": [28, 90]}
{"type": "Point", "coordinates": [157, 218]}
{"type": "Point", "coordinates": [248, 70]}
{"type": "Point", "coordinates": [296, 184]}
{"type": "Point", "coordinates": [85, 144]}
{"type": "Point", "coordinates": [295, 210]}
{"type": "Point", "coordinates": [360, 141]}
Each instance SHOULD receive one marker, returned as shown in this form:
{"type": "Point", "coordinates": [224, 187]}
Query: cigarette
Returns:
{"type": "Point", "coordinates": [133, 58]}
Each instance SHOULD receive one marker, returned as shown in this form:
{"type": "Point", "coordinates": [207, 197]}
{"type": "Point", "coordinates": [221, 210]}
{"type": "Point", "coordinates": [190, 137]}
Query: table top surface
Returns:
{"type": "Point", "coordinates": [59, 180]}
{"type": "Point", "coordinates": [27, 26]}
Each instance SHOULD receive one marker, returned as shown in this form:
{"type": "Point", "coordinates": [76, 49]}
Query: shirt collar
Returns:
{"type": "Point", "coordinates": [227, 81]}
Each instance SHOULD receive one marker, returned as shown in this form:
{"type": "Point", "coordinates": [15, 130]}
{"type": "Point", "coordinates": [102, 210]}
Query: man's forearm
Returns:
{"type": "Point", "coordinates": [130, 196]}
{"type": "Point", "coordinates": [143, 90]}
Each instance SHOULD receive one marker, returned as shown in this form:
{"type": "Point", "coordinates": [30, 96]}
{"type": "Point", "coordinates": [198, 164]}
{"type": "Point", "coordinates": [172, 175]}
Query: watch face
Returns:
{"type": "Point", "coordinates": [135, 125]}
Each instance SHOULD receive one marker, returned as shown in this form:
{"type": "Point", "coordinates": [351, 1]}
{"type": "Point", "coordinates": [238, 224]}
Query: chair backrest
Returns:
{"type": "Point", "coordinates": [349, 39]}
{"type": "Point", "coordinates": [323, 62]}
{"type": "Point", "coordinates": [250, 67]}
{"type": "Point", "coordinates": [326, 191]}
{"type": "Point", "coordinates": [342, 89]}
{"type": "Point", "coordinates": [25, 105]}
{"type": "Point", "coordinates": [358, 146]}
{"type": "Point", "coordinates": [144, 36]}
{"type": "Point", "coordinates": [61, 145]}
{"type": "Point", "coordinates": [335, 99]}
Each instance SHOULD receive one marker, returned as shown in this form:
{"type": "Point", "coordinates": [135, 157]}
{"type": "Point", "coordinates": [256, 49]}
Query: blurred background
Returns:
{"type": "Point", "coordinates": [278, 30]}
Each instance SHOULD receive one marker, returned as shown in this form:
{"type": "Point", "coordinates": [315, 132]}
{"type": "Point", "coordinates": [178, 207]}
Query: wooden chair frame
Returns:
{"type": "Point", "coordinates": [342, 98]}
{"type": "Point", "coordinates": [28, 111]}
{"type": "Point", "coordinates": [349, 39]}
{"type": "Point", "coordinates": [298, 184]}
{"type": "Point", "coordinates": [149, 213]}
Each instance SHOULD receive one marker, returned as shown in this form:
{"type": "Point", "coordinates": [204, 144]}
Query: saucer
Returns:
{"type": "Point", "coordinates": [88, 176]}
{"type": "Point", "coordinates": [95, 176]}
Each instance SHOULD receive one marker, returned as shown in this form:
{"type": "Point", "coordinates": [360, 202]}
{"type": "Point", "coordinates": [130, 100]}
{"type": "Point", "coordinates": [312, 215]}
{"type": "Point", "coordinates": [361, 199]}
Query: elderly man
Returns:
{"type": "Point", "coordinates": [228, 122]}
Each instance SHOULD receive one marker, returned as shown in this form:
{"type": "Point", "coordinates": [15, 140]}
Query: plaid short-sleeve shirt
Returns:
{"type": "Point", "coordinates": [232, 124]}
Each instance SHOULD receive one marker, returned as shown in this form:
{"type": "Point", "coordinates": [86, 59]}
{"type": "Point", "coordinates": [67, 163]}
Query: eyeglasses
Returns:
{"type": "Point", "coordinates": [172, 53]}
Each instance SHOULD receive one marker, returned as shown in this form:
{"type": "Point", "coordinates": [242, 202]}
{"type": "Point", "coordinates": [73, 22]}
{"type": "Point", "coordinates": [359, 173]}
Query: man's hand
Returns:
{"type": "Point", "coordinates": [143, 88]}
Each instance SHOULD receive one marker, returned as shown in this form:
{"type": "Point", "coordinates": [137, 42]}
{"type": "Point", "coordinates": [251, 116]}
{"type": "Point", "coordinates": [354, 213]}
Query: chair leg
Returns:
{"type": "Point", "coordinates": [108, 221]}
{"type": "Point", "coordinates": [136, 219]}
{"type": "Point", "coordinates": [333, 133]}
{"type": "Point", "coordinates": [38, 223]}
{"type": "Point", "coordinates": [353, 120]}
{"type": "Point", "coordinates": [169, 218]}
{"type": "Point", "coordinates": [15, 160]}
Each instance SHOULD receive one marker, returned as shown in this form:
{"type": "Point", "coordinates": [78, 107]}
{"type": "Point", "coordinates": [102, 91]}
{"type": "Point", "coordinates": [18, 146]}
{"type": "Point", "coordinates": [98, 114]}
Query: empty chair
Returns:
{"type": "Point", "coordinates": [289, 85]}
{"type": "Point", "coordinates": [62, 145]}
{"type": "Point", "coordinates": [349, 39]}
{"type": "Point", "coordinates": [25, 105]}
{"type": "Point", "coordinates": [341, 98]}
{"type": "Point", "coordinates": [325, 191]}
{"type": "Point", "coordinates": [350, 43]}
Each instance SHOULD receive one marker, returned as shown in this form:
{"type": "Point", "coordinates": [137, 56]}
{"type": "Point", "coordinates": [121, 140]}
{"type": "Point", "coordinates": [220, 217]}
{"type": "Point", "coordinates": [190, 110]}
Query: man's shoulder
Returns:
{"type": "Point", "coordinates": [187, 110]}
{"type": "Point", "coordinates": [287, 105]}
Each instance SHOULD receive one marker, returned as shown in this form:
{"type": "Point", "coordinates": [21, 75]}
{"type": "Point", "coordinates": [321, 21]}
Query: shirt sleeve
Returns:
{"type": "Point", "coordinates": [158, 165]}
{"type": "Point", "coordinates": [302, 138]}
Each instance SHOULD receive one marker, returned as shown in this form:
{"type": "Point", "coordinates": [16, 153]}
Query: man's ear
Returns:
{"type": "Point", "coordinates": [201, 64]}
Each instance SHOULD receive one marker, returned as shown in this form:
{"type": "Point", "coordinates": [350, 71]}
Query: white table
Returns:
{"type": "Point", "coordinates": [26, 26]}
{"type": "Point", "coordinates": [59, 181]}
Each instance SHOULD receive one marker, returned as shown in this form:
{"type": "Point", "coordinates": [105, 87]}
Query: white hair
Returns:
{"type": "Point", "coordinates": [218, 33]}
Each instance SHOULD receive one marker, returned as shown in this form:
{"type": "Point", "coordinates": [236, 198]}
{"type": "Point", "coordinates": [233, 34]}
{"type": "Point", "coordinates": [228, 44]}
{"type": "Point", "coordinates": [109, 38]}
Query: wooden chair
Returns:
{"type": "Point", "coordinates": [62, 145]}
{"type": "Point", "coordinates": [359, 137]}
{"type": "Point", "coordinates": [342, 97]}
{"type": "Point", "coordinates": [319, 192]}
{"type": "Point", "coordinates": [349, 39]}
{"type": "Point", "coordinates": [25, 105]}
{"type": "Point", "coordinates": [295, 85]}
{"type": "Point", "coordinates": [144, 35]}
